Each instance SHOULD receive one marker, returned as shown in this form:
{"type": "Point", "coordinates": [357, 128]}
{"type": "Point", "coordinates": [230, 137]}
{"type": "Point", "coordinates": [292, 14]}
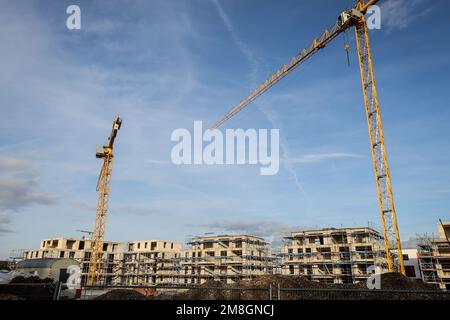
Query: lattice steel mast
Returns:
{"type": "Point", "coordinates": [103, 187]}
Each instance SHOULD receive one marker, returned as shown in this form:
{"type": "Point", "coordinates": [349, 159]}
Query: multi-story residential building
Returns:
{"type": "Point", "coordinates": [151, 262]}
{"type": "Point", "coordinates": [411, 263]}
{"type": "Point", "coordinates": [226, 258]}
{"type": "Point", "coordinates": [333, 255]}
{"type": "Point", "coordinates": [434, 257]}
{"type": "Point", "coordinates": [80, 250]}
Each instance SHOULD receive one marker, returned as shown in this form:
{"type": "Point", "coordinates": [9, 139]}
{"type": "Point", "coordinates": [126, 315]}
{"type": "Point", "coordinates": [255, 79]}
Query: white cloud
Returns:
{"type": "Point", "coordinates": [18, 185]}
{"type": "Point", "coordinates": [319, 157]}
{"type": "Point", "coordinates": [401, 13]}
{"type": "Point", "coordinates": [272, 231]}
{"type": "Point", "coordinates": [19, 189]}
{"type": "Point", "coordinates": [243, 47]}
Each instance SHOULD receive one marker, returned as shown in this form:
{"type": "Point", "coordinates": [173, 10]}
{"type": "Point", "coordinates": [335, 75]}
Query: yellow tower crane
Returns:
{"type": "Point", "coordinates": [103, 188]}
{"type": "Point", "coordinates": [352, 18]}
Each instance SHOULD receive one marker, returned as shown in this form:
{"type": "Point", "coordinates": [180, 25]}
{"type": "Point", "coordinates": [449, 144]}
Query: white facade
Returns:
{"type": "Point", "coordinates": [411, 262]}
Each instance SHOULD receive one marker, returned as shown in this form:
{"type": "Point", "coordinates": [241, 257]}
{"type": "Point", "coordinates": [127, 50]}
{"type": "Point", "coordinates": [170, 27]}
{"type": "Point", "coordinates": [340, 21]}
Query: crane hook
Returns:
{"type": "Point", "coordinates": [346, 47]}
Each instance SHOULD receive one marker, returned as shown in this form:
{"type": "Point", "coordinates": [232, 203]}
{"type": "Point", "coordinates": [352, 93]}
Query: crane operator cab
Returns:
{"type": "Point", "coordinates": [349, 18]}
{"type": "Point", "coordinates": [107, 150]}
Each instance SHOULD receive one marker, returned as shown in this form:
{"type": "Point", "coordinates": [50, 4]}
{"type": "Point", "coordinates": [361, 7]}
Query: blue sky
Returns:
{"type": "Point", "coordinates": [163, 64]}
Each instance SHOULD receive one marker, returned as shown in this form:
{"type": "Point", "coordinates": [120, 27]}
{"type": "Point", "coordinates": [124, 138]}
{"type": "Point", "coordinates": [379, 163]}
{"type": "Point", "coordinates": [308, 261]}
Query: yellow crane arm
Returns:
{"type": "Point", "coordinates": [346, 20]}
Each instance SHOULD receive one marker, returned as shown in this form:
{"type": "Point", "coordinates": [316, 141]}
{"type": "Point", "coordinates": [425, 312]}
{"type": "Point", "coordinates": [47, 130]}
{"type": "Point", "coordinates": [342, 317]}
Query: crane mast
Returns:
{"type": "Point", "coordinates": [353, 17]}
{"type": "Point", "coordinates": [103, 188]}
{"type": "Point", "coordinates": [380, 162]}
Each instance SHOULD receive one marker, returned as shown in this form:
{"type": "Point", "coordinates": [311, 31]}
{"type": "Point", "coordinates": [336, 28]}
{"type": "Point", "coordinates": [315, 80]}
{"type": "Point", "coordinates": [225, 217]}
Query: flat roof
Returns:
{"type": "Point", "coordinates": [78, 239]}
{"type": "Point", "coordinates": [225, 237]}
{"type": "Point", "coordinates": [42, 263]}
{"type": "Point", "coordinates": [154, 240]}
{"type": "Point", "coordinates": [334, 230]}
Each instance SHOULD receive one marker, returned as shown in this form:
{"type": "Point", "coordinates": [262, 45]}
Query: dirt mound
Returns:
{"type": "Point", "coordinates": [122, 294]}
{"type": "Point", "coordinates": [32, 279]}
{"type": "Point", "coordinates": [397, 281]}
{"type": "Point", "coordinates": [256, 289]}
{"type": "Point", "coordinates": [5, 296]}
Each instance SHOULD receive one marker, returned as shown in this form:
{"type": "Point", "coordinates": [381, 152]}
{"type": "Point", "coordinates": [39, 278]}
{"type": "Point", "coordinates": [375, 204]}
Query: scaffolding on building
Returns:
{"type": "Point", "coordinates": [148, 268]}
{"type": "Point", "coordinates": [336, 261]}
{"type": "Point", "coordinates": [16, 256]}
{"type": "Point", "coordinates": [427, 259]}
{"type": "Point", "coordinates": [197, 267]}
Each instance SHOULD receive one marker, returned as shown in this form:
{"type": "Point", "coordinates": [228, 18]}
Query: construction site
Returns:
{"type": "Point", "coordinates": [327, 263]}
{"type": "Point", "coordinates": [341, 257]}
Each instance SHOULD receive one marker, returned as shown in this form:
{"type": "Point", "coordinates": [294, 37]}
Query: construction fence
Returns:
{"type": "Point", "coordinates": [253, 293]}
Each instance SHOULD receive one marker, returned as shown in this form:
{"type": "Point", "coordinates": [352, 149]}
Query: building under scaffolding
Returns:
{"type": "Point", "coordinates": [333, 255]}
{"type": "Point", "coordinates": [80, 250]}
{"type": "Point", "coordinates": [434, 257]}
{"type": "Point", "coordinates": [226, 258]}
{"type": "Point", "coordinates": [152, 262]}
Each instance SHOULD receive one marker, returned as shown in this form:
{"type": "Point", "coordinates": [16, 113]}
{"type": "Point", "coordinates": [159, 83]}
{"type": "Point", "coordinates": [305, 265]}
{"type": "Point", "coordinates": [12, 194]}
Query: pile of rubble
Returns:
{"type": "Point", "coordinates": [30, 279]}
{"type": "Point", "coordinates": [122, 294]}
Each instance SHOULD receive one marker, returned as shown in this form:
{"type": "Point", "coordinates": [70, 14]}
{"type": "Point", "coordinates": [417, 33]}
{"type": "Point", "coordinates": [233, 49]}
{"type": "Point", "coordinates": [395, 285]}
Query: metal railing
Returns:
{"type": "Point", "coordinates": [58, 291]}
{"type": "Point", "coordinates": [196, 292]}
{"type": "Point", "coordinates": [359, 294]}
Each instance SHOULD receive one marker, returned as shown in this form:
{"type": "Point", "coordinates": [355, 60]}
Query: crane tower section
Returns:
{"type": "Point", "coordinates": [103, 188]}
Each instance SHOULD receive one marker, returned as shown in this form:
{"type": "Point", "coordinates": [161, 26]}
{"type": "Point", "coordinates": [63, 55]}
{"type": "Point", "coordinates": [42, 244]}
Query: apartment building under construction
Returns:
{"type": "Point", "coordinates": [434, 257]}
{"type": "Point", "coordinates": [226, 258]}
{"type": "Point", "coordinates": [333, 255]}
{"type": "Point", "coordinates": [151, 262]}
{"type": "Point", "coordinates": [80, 250]}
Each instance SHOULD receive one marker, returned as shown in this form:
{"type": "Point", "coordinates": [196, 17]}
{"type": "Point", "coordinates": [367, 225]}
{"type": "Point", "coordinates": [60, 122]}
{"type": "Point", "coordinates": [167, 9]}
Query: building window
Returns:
{"type": "Point", "coordinates": [207, 245]}
{"type": "Point", "coordinates": [410, 271]}
{"type": "Point", "coordinates": [318, 241]}
{"type": "Point", "coordinates": [291, 269]}
{"type": "Point", "coordinates": [405, 257]}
